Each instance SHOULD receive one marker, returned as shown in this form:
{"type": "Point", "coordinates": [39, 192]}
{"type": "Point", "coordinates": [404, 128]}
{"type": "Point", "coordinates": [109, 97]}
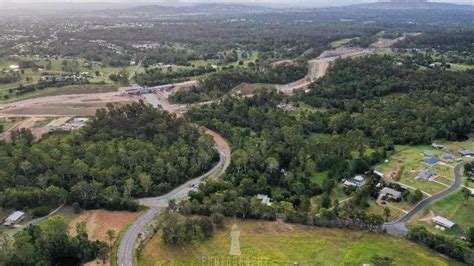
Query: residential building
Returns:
{"type": "Point", "coordinates": [426, 174]}
{"type": "Point", "coordinates": [447, 157]}
{"type": "Point", "coordinates": [466, 152]}
{"type": "Point", "coordinates": [430, 161]}
{"type": "Point", "coordinates": [391, 193]}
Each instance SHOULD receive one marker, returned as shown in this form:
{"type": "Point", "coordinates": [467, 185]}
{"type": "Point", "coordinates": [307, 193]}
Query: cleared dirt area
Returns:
{"type": "Point", "coordinates": [99, 221]}
{"type": "Point", "coordinates": [62, 105]}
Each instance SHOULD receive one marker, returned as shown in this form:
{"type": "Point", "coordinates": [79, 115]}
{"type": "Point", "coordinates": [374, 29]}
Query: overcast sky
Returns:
{"type": "Point", "coordinates": [299, 2]}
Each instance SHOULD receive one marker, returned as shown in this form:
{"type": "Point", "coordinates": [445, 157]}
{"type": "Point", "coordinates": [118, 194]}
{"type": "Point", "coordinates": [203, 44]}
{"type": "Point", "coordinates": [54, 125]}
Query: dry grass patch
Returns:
{"type": "Point", "coordinates": [99, 221]}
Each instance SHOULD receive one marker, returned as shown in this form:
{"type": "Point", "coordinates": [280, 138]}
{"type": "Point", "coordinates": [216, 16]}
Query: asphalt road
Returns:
{"type": "Point", "coordinates": [129, 240]}
{"type": "Point", "coordinates": [398, 227]}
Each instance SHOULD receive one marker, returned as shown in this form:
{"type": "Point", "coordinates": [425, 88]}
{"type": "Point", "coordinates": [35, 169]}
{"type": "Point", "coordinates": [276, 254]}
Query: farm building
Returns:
{"type": "Point", "coordinates": [444, 222]}
{"type": "Point", "coordinates": [14, 218]}
{"type": "Point", "coordinates": [426, 174]}
{"type": "Point", "coordinates": [430, 161]}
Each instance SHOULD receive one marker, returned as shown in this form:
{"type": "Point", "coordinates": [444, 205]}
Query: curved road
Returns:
{"type": "Point", "coordinates": [398, 227]}
{"type": "Point", "coordinates": [129, 240]}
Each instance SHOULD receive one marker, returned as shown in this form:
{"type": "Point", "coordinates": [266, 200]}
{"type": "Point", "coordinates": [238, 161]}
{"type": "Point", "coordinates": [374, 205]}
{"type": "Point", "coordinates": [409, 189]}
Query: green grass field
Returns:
{"type": "Point", "coordinates": [277, 243]}
{"type": "Point", "coordinates": [340, 43]}
{"type": "Point", "coordinates": [460, 67]}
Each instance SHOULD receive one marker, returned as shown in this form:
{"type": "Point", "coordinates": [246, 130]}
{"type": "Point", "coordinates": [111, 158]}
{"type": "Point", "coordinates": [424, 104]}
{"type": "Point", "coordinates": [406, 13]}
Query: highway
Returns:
{"type": "Point", "coordinates": [398, 227]}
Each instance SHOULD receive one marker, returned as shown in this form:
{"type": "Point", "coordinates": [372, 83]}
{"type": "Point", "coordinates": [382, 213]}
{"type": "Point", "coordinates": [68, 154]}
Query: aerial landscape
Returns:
{"type": "Point", "coordinates": [237, 132]}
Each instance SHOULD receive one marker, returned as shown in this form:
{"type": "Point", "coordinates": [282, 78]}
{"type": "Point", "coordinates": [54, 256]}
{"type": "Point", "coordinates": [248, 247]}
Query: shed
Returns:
{"type": "Point", "coordinates": [14, 218]}
{"type": "Point", "coordinates": [442, 221]}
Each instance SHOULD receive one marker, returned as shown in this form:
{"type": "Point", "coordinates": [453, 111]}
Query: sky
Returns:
{"type": "Point", "coordinates": [289, 2]}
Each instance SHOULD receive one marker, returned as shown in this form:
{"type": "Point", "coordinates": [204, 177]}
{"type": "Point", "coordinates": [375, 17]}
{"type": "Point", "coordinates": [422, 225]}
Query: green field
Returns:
{"type": "Point", "coordinates": [460, 67]}
{"type": "Point", "coordinates": [340, 43]}
{"type": "Point", "coordinates": [56, 67]}
{"type": "Point", "coordinates": [277, 243]}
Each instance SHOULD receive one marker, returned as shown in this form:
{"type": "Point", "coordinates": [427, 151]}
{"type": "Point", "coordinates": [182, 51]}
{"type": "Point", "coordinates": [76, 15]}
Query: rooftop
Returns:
{"type": "Point", "coordinates": [443, 221]}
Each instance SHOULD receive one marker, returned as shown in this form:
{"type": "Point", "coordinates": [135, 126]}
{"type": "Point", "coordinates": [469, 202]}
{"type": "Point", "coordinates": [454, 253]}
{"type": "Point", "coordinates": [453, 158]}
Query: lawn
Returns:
{"type": "Point", "coordinates": [277, 243]}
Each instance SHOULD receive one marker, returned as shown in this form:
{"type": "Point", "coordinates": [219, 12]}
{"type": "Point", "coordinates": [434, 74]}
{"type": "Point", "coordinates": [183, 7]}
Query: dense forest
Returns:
{"type": "Point", "coordinates": [124, 152]}
{"type": "Point", "coordinates": [361, 108]}
{"type": "Point", "coordinates": [276, 153]}
{"type": "Point", "coordinates": [218, 84]}
{"type": "Point", "coordinates": [384, 97]}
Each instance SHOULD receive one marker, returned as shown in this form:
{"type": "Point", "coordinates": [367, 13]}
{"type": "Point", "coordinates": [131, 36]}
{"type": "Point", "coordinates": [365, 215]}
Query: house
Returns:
{"type": "Point", "coordinates": [14, 218]}
{"type": "Point", "coordinates": [428, 153]}
{"type": "Point", "coordinates": [447, 157]}
{"type": "Point", "coordinates": [466, 152]}
{"type": "Point", "coordinates": [438, 146]}
{"type": "Point", "coordinates": [426, 174]}
{"type": "Point", "coordinates": [430, 161]}
{"type": "Point", "coordinates": [265, 199]}
{"type": "Point", "coordinates": [444, 222]}
{"type": "Point", "coordinates": [359, 180]}
{"type": "Point", "coordinates": [391, 193]}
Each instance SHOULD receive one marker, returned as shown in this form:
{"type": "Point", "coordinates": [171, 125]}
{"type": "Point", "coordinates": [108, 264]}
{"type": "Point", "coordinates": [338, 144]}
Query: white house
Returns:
{"type": "Point", "coordinates": [14, 218]}
{"type": "Point", "coordinates": [444, 222]}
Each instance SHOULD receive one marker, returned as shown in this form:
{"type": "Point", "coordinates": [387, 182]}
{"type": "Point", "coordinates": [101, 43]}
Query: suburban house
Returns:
{"type": "Point", "coordinates": [426, 174]}
{"type": "Point", "coordinates": [444, 222]}
{"type": "Point", "coordinates": [14, 218]}
{"type": "Point", "coordinates": [447, 157]}
{"type": "Point", "coordinates": [466, 152]}
{"type": "Point", "coordinates": [430, 161]}
{"type": "Point", "coordinates": [265, 199]}
{"type": "Point", "coordinates": [390, 193]}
